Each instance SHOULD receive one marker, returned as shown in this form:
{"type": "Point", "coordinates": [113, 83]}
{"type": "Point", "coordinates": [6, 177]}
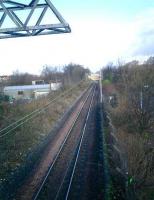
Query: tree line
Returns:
{"type": "Point", "coordinates": [68, 74]}
{"type": "Point", "coordinates": [132, 114]}
{"type": "Point", "coordinates": [135, 83]}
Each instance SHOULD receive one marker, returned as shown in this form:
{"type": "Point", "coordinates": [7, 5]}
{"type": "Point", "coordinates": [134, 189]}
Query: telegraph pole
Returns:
{"type": "Point", "coordinates": [100, 80]}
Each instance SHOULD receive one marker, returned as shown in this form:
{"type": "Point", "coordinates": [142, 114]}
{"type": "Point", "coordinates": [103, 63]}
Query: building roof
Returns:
{"type": "Point", "coordinates": [27, 87]}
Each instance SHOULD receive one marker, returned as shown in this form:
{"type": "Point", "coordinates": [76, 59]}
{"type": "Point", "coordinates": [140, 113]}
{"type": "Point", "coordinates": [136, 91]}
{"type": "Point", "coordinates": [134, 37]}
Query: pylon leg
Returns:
{"type": "Point", "coordinates": [12, 23]}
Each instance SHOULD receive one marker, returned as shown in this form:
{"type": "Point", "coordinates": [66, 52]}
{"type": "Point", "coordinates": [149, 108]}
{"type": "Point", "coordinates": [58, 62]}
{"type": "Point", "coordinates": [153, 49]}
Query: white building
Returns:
{"type": "Point", "coordinates": [30, 91]}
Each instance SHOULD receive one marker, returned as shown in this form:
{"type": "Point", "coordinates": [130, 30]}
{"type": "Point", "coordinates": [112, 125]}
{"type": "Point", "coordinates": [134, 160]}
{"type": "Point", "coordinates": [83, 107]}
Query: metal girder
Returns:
{"type": "Point", "coordinates": [13, 25]}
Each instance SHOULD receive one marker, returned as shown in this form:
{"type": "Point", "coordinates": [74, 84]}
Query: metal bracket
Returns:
{"type": "Point", "coordinates": [21, 19]}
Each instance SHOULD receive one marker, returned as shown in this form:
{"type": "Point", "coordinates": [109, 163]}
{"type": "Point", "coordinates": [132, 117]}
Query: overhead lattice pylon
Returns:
{"type": "Point", "coordinates": [32, 18]}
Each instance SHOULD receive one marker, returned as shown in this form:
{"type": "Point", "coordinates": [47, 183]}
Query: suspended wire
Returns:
{"type": "Point", "coordinates": [33, 114]}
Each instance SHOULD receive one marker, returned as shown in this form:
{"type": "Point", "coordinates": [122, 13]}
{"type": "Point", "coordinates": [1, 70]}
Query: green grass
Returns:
{"type": "Point", "coordinates": [106, 82]}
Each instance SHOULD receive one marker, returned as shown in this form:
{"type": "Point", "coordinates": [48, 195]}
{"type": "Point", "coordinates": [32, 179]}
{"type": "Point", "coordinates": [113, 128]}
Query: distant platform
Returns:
{"type": "Point", "coordinates": [94, 77]}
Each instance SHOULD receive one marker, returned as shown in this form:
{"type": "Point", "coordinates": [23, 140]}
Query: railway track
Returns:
{"type": "Point", "coordinates": [77, 171]}
{"type": "Point", "coordinates": [87, 178]}
{"type": "Point", "coordinates": [71, 167]}
{"type": "Point", "coordinates": [56, 172]}
{"type": "Point", "coordinates": [55, 142]}
{"type": "Point", "coordinates": [78, 154]}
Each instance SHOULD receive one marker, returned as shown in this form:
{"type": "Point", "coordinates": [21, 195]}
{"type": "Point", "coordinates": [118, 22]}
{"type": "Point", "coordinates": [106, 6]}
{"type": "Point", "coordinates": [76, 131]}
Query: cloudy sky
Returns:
{"type": "Point", "coordinates": [102, 31]}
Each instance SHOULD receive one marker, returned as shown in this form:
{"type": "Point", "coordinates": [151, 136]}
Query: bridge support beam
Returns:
{"type": "Point", "coordinates": [21, 19]}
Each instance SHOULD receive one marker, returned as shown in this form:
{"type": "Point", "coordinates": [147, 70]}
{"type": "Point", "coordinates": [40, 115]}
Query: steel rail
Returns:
{"type": "Point", "coordinates": [35, 197]}
{"type": "Point", "coordinates": [58, 193]}
{"type": "Point", "coordinates": [79, 148]}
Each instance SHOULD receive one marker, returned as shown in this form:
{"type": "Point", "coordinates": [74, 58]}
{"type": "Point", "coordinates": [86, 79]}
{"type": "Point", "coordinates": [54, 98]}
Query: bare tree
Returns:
{"type": "Point", "coordinates": [50, 73]}
{"type": "Point", "coordinates": [18, 78]}
{"type": "Point", "coordinates": [74, 73]}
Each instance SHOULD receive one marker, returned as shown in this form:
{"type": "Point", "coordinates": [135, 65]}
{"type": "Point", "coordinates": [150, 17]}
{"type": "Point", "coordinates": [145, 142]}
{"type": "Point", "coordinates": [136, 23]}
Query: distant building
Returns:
{"type": "Point", "coordinates": [30, 91]}
{"type": "Point", "coordinates": [94, 77]}
{"type": "Point", "coordinates": [38, 82]}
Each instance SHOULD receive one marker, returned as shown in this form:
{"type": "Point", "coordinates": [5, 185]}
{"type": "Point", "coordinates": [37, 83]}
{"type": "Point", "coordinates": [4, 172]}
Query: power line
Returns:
{"type": "Point", "coordinates": [33, 114]}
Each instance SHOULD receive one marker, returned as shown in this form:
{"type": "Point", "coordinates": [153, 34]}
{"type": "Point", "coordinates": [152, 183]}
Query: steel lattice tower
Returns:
{"type": "Point", "coordinates": [19, 18]}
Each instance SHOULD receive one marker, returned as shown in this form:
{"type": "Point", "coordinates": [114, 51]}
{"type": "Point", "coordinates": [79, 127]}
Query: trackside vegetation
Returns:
{"type": "Point", "coordinates": [128, 91]}
{"type": "Point", "coordinates": [21, 147]}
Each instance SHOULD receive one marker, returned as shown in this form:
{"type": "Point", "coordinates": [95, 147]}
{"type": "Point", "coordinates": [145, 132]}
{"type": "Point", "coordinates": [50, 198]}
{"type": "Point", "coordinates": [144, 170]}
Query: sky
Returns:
{"type": "Point", "coordinates": [103, 31]}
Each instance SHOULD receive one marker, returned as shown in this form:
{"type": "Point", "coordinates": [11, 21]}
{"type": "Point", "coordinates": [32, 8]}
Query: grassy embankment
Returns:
{"type": "Point", "coordinates": [15, 146]}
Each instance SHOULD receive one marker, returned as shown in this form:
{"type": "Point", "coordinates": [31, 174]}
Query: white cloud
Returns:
{"type": "Point", "coordinates": [93, 43]}
{"type": "Point", "coordinates": [144, 23]}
